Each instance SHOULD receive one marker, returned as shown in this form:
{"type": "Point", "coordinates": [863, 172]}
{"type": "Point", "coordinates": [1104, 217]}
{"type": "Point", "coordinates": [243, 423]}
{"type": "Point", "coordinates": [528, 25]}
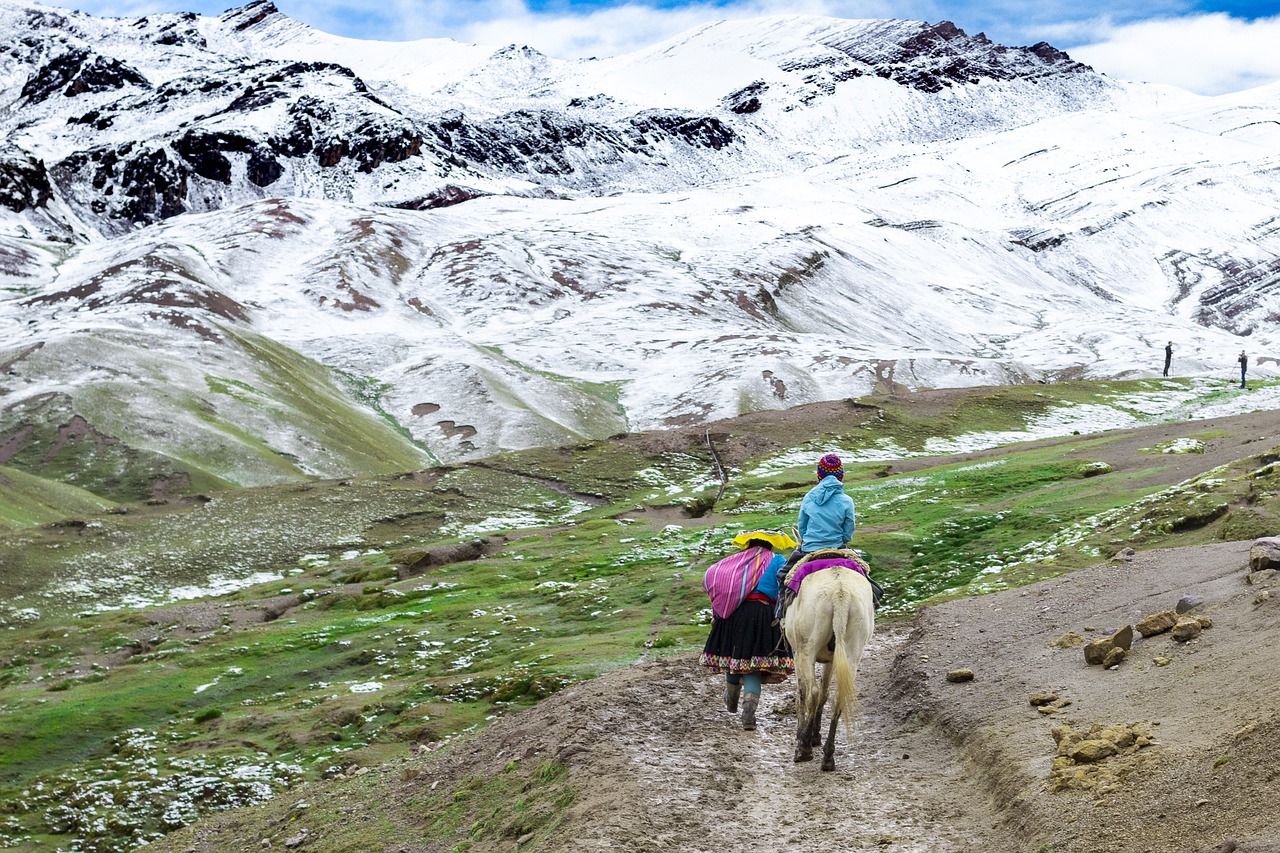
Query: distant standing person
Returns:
{"type": "Point", "coordinates": [1244, 366]}
{"type": "Point", "coordinates": [1168, 357]}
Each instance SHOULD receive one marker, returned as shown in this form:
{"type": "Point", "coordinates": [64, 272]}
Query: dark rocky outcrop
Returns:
{"type": "Point", "coordinates": [139, 185]}
{"type": "Point", "coordinates": [936, 57]}
{"type": "Point", "coordinates": [446, 196]}
{"type": "Point", "coordinates": [544, 142]}
{"type": "Point", "coordinates": [24, 182]}
{"type": "Point", "coordinates": [77, 72]}
{"type": "Point", "coordinates": [747, 99]}
{"type": "Point", "coordinates": [206, 152]}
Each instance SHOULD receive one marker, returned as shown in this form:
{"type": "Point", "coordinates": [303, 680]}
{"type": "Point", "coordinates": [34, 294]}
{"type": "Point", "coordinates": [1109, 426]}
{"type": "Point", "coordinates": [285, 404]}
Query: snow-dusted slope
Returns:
{"type": "Point", "coordinates": [493, 249]}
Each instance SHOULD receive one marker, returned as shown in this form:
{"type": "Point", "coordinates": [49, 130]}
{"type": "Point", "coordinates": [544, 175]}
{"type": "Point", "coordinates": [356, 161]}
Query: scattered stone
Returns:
{"type": "Point", "coordinates": [1039, 699]}
{"type": "Point", "coordinates": [1069, 640]}
{"type": "Point", "coordinates": [1264, 553]}
{"type": "Point", "coordinates": [1124, 554]}
{"type": "Point", "coordinates": [1205, 621]}
{"type": "Point", "coordinates": [1157, 623]}
{"type": "Point", "coordinates": [1114, 657]}
{"type": "Point", "coordinates": [297, 840]}
{"type": "Point", "coordinates": [1186, 630]}
{"type": "Point", "coordinates": [958, 676]}
{"type": "Point", "coordinates": [1096, 651]}
{"type": "Point", "coordinates": [1089, 751]}
{"type": "Point", "coordinates": [1161, 661]}
{"type": "Point", "coordinates": [524, 839]}
{"type": "Point", "coordinates": [1096, 759]}
{"type": "Point", "coordinates": [1187, 603]}
{"type": "Point", "coordinates": [1261, 576]}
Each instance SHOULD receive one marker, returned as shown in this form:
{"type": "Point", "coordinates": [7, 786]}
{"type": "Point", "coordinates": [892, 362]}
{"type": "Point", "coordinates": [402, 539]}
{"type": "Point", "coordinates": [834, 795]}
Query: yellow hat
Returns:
{"type": "Point", "coordinates": [777, 540]}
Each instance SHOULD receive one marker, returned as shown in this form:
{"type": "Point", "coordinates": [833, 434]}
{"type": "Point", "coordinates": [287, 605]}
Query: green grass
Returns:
{"type": "Point", "coordinates": [581, 575]}
{"type": "Point", "coordinates": [27, 500]}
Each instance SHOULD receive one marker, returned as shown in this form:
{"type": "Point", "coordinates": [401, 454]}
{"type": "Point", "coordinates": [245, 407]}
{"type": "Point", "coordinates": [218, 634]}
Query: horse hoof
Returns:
{"type": "Point", "coordinates": [828, 764]}
{"type": "Point", "coordinates": [803, 755]}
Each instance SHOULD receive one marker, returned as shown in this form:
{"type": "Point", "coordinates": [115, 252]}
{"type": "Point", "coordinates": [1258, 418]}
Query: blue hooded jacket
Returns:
{"type": "Point", "coordinates": [826, 516]}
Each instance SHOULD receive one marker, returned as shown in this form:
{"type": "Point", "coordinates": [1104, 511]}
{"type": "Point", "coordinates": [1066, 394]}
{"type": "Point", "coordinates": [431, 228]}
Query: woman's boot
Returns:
{"type": "Point", "coordinates": [749, 704]}
{"type": "Point", "coordinates": [731, 692]}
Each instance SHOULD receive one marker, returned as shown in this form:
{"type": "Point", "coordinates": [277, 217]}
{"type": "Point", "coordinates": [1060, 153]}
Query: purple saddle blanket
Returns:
{"type": "Point", "coordinates": [808, 567]}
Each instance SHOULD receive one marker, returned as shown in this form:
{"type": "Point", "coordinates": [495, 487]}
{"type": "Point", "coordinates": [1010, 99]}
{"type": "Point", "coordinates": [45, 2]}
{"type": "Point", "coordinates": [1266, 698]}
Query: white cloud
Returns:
{"type": "Point", "coordinates": [1208, 54]}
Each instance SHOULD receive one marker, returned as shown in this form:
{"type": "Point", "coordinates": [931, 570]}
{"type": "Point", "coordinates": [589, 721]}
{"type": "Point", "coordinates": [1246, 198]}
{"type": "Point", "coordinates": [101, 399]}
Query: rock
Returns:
{"type": "Point", "coordinates": [1161, 661]}
{"type": "Point", "coordinates": [1039, 699]}
{"type": "Point", "coordinates": [1096, 651]}
{"type": "Point", "coordinates": [1205, 621]}
{"type": "Point", "coordinates": [1069, 640]}
{"type": "Point", "coordinates": [1089, 751]}
{"type": "Point", "coordinates": [297, 840]}
{"type": "Point", "coordinates": [1124, 554]}
{"type": "Point", "coordinates": [1157, 623]}
{"type": "Point", "coordinates": [1264, 553]}
{"type": "Point", "coordinates": [1187, 603]}
{"type": "Point", "coordinates": [958, 676]}
{"type": "Point", "coordinates": [1186, 629]}
{"type": "Point", "coordinates": [1114, 657]}
{"type": "Point", "coordinates": [1260, 576]}
{"type": "Point", "coordinates": [1121, 735]}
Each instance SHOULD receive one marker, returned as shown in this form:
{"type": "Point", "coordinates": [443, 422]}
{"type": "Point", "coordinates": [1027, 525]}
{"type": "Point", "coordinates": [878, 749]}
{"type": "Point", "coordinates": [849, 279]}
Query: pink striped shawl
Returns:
{"type": "Point", "coordinates": [729, 581]}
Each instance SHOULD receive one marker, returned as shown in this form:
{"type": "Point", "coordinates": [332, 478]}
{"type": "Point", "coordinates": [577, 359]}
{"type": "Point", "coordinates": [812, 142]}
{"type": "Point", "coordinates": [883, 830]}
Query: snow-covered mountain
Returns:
{"type": "Point", "coordinates": [246, 251]}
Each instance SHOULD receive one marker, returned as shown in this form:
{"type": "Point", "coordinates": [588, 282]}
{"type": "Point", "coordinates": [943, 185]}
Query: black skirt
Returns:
{"type": "Point", "coordinates": [748, 641]}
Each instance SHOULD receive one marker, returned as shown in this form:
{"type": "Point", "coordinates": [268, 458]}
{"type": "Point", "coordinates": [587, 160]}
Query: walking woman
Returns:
{"type": "Point", "coordinates": [745, 643]}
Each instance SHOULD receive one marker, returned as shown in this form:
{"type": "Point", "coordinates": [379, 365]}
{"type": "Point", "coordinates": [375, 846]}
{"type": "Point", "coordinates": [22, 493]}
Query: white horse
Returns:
{"type": "Point", "coordinates": [833, 604]}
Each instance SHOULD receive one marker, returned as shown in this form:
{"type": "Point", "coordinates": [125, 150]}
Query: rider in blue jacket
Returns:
{"type": "Point", "coordinates": [826, 514]}
{"type": "Point", "coordinates": [827, 518]}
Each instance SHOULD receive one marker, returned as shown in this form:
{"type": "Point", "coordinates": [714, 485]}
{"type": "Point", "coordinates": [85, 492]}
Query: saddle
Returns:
{"type": "Point", "coordinates": [816, 561]}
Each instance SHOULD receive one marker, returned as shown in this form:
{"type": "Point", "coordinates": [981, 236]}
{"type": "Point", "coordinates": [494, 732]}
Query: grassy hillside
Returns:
{"type": "Point", "coordinates": [163, 660]}
{"type": "Point", "coordinates": [27, 500]}
{"type": "Point", "coordinates": [244, 412]}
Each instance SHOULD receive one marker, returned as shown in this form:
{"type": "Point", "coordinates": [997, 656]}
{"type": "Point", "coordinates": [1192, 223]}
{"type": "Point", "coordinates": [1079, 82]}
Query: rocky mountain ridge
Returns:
{"type": "Point", "coordinates": [214, 232]}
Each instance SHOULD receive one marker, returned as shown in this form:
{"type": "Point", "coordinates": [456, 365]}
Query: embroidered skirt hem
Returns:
{"type": "Point", "coordinates": [746, 642]}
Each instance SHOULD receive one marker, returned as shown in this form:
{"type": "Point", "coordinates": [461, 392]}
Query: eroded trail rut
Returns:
{"type": "Point", "coordinates": [685, 776]}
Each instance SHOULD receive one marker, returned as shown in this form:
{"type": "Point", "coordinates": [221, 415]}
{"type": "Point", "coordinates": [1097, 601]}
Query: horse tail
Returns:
{"type": "Point", "coordinates": [846, 619]}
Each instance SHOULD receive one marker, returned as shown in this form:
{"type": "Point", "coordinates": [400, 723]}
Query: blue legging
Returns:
{"type": "Point", "coordinates": [750, 681]}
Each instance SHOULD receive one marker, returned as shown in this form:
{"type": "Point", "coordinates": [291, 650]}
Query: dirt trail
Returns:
{"type": "Point", "coordinates": [708, 781]}
{"type": "Point", "coordinates": [941, 767]}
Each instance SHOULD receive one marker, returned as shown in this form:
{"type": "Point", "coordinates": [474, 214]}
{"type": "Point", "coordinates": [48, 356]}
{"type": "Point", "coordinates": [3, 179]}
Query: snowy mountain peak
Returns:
{"type": "Point", "coordinates": [241, 224]}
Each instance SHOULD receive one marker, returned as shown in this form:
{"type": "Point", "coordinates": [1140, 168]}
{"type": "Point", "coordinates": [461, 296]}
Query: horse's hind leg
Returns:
{"type": "Point", "coordinates": [829, 748]}
{"type": "Point", "coordinates": [813, 731]}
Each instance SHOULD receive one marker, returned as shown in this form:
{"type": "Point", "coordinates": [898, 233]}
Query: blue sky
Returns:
{"type": "Point", "coordinates": [1206, 46]}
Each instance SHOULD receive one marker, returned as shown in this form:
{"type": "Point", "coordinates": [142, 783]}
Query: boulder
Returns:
{"type": "Point", "coordinates": [958, 676]}
{"type": "Point", "coordinates": [1096, 652]}
{"type": "Point", "coordinates": [1264, 554]}
{"type": "Point", "coordinates": [1260, 576]}
{"type": "Point", "coordinates": [1187, 629]}
{"type": "Point", "coordinates": [1157, 623]}
{"type": "Point", "coordinates": [1188, 603]}
{"type": "Point", "coordinates": [1114, 657]}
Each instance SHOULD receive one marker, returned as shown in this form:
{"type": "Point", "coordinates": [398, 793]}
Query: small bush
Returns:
{"type": "Point", "coordinates": [206, 714]}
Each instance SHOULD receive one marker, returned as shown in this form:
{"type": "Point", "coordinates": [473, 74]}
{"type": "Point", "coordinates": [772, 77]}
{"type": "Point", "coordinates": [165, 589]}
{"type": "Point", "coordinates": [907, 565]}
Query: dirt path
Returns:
{"type": "Point", "coordinates": [941, 767]}
{"type": "Point", "coordinates": [711, 779]}
{"type": "Point", "coordinates": [666, 767]}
